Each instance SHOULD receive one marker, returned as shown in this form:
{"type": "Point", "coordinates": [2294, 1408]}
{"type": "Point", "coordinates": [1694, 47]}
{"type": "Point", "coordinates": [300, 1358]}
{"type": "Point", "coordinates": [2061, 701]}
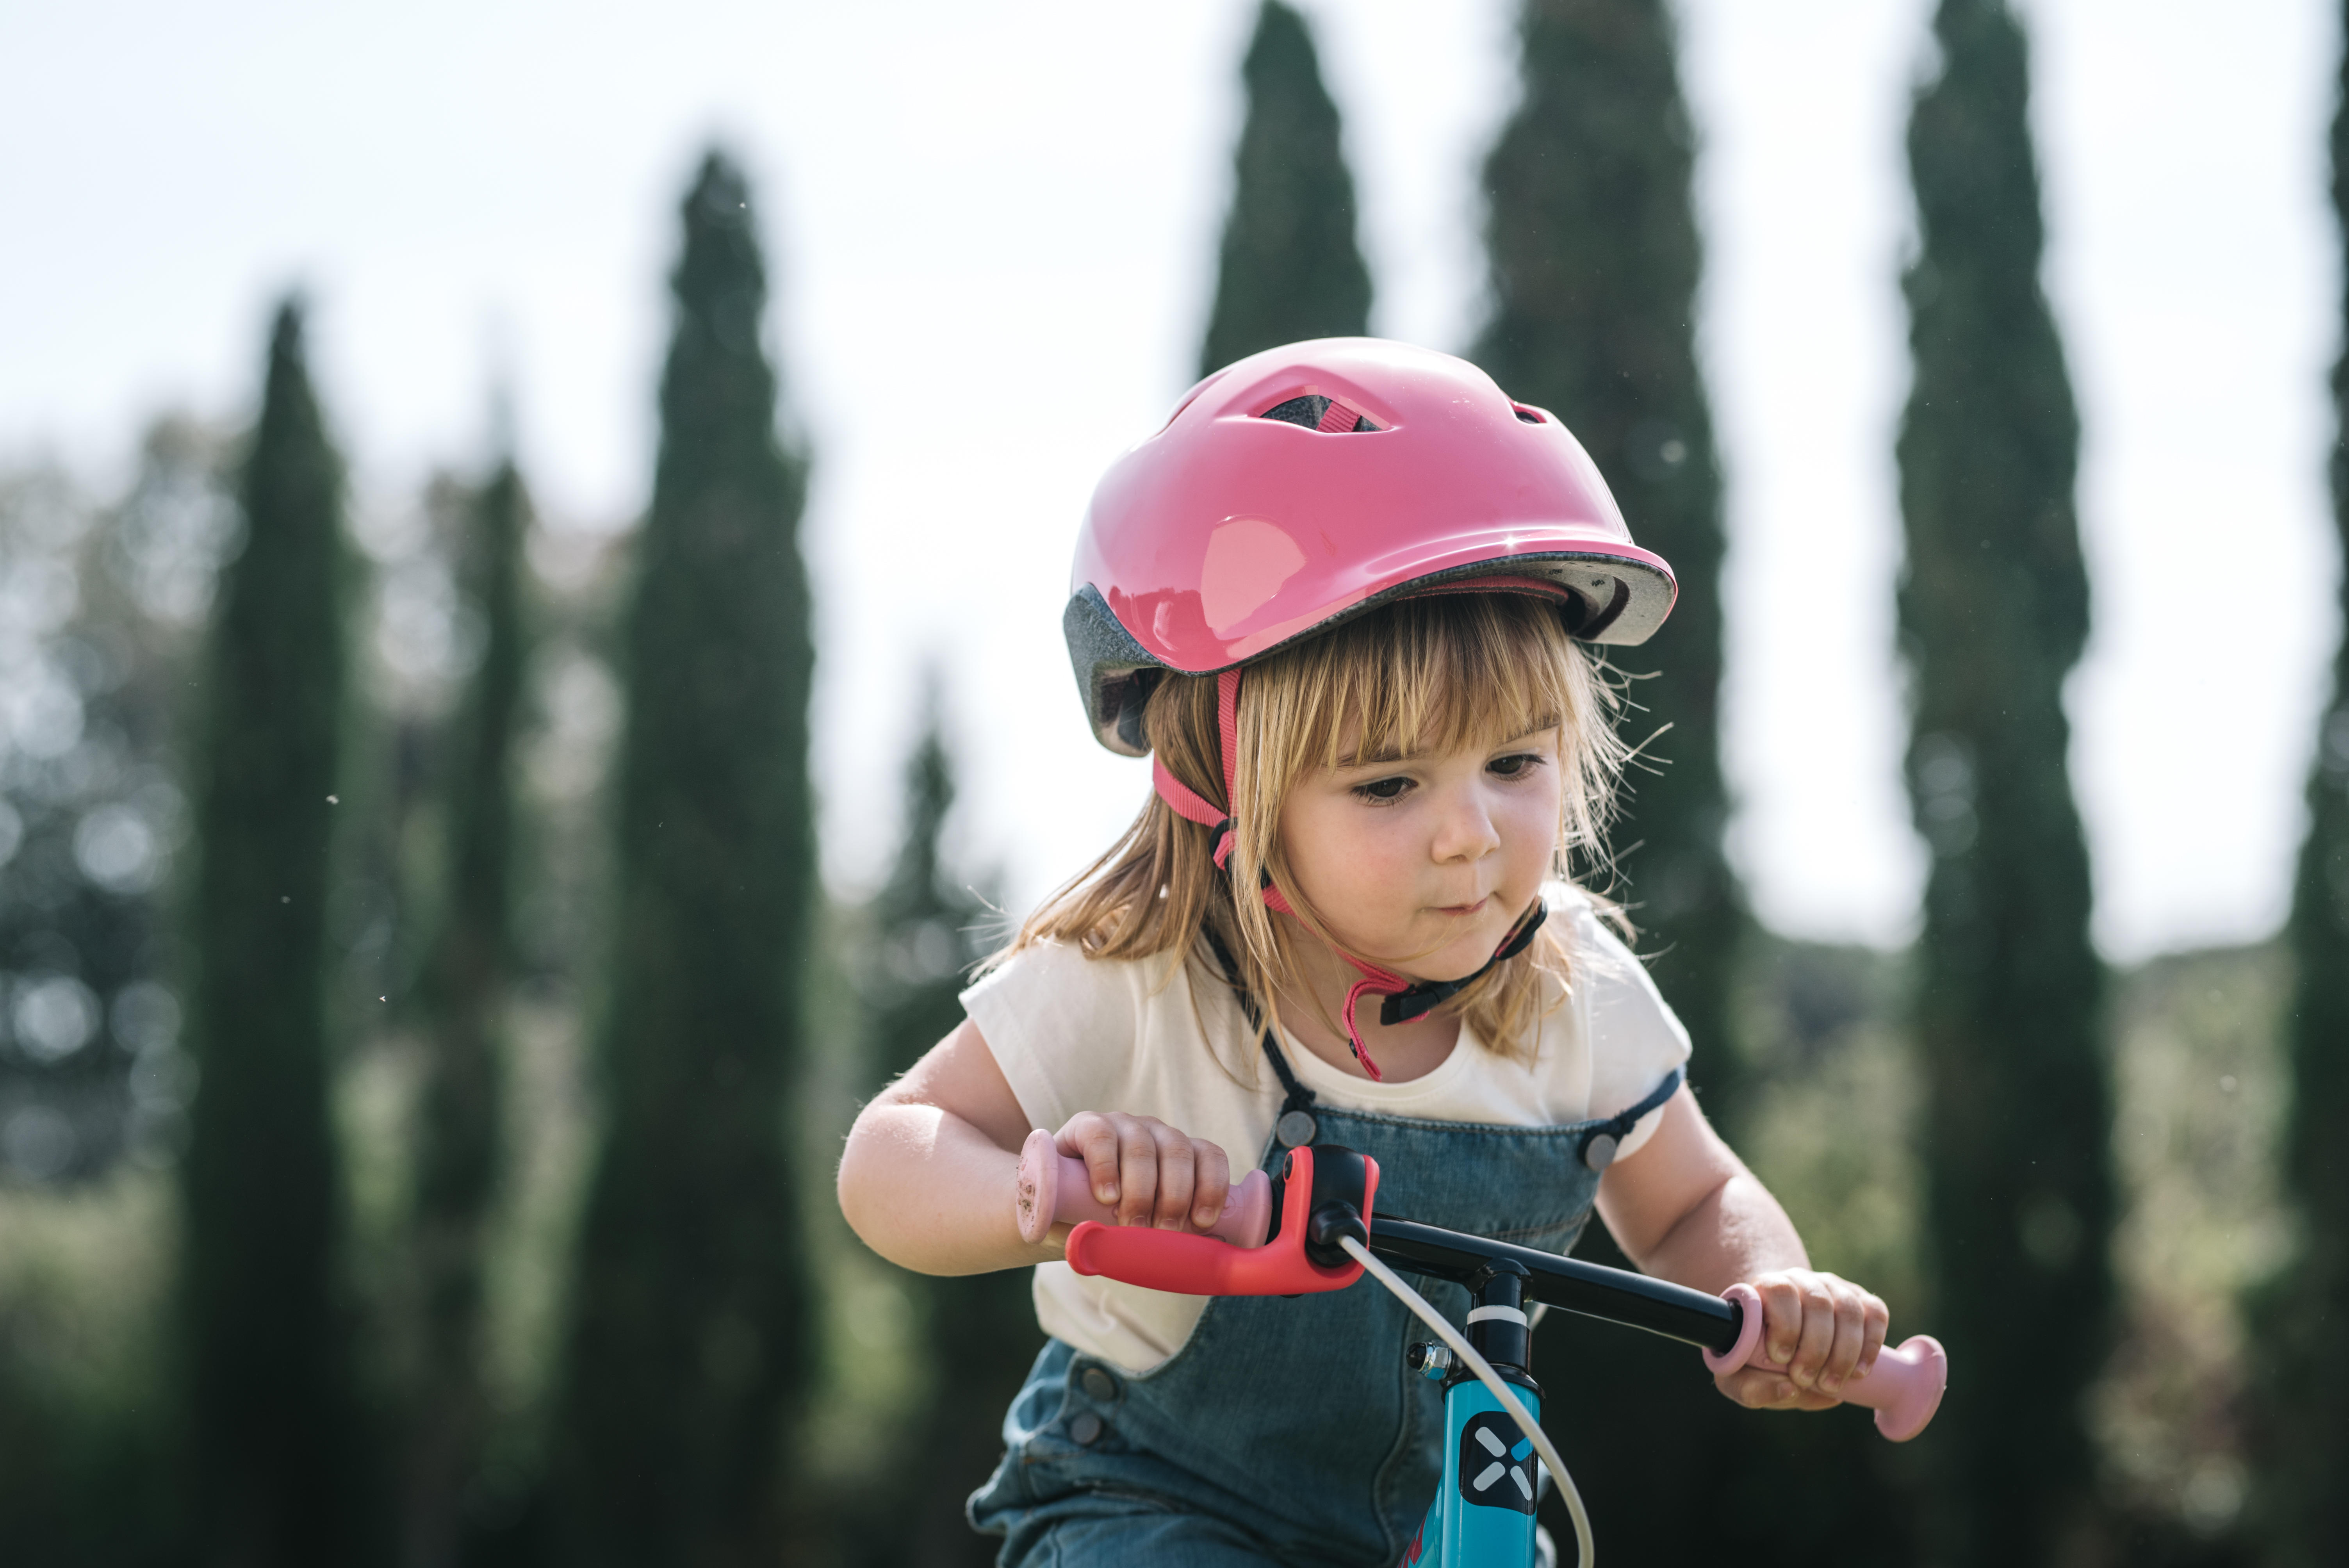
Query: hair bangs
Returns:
{"type": "Point", "coordinates": [1426, 675]}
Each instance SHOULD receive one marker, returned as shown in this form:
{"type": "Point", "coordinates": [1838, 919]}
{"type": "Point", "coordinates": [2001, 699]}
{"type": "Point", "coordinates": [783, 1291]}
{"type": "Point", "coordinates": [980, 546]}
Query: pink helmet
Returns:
{"type": "Point", "coordinates": [1302, 486]}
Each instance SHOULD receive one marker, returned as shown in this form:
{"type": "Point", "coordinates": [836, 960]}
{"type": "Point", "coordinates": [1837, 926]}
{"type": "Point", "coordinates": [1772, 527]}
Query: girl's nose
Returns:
{"type": "Point", "coordinates": [1465, 830]}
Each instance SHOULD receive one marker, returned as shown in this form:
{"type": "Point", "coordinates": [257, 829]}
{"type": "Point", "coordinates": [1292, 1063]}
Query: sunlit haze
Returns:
{"type": "Point", "coordinates": [992, 230]}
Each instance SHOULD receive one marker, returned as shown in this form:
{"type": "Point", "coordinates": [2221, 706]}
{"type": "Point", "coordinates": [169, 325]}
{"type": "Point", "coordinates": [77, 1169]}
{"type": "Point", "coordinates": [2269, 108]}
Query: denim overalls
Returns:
{"type": "Point", "coordinates": [1284, 1429]}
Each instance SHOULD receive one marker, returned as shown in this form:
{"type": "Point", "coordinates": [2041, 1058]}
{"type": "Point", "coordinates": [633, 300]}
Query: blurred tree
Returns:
{"type": "Point", "coordinates": [1595, 263]}
{"type": "Point", "coordinates": [2301, 1392]}
{"type": "Point", "coordinates": [267, 1330]}
{"type": "Point", "coordinates": [688, 1354]}
{"type": "Point", "coordinates": [88, 811]}
{"type": "Point", "coordinates": [1289, 268]}
{"type": "Point", "coordinates": [2011, 999]}
{"type": "Point", "coordinates": [461, 1109]}
{"type": "Point", "coordinates": [90, 1064]}
{"type": "Point", "coordinates": [977, 1333]}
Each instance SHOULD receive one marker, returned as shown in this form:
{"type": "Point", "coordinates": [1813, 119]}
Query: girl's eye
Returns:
{"type": "Point", "coordinates": [1516, 764]}
{"type": "Point", "coordinates": [1382, 788]}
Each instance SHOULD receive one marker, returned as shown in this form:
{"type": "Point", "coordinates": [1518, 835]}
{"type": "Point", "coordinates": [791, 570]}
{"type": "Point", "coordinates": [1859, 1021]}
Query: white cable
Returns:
{"type": "Point", "coordinates": [1492, 1380]}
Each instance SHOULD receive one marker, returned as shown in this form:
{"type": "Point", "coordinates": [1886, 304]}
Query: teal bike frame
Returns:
{"type": "Point", "coordinates": [1483, 1513]}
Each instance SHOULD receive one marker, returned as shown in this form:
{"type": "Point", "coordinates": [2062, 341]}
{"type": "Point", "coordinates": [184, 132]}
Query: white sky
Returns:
{"type": "Point", "coordinates": [992, 230]}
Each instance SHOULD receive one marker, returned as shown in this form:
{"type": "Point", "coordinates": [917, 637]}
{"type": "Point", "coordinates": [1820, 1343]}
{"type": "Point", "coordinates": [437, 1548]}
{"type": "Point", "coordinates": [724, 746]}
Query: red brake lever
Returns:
{"type": "Point", "coordinates": [1191, 1264]}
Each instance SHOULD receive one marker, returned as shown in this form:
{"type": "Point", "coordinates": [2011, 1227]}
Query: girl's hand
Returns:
{"type": "Point", "coordinates": [1151, 1173]}
{"type": "Point", "coordinates": [1817, 1332]}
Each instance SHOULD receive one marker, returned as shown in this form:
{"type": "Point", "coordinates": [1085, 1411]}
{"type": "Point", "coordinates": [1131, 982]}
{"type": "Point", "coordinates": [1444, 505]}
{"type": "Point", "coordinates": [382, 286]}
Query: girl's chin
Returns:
{"type": "Point", "coordinates": [1456, 960]}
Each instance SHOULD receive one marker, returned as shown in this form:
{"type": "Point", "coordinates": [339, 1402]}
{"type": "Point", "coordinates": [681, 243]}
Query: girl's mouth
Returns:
{"type": "Point", "coordinates": [1464, 910]}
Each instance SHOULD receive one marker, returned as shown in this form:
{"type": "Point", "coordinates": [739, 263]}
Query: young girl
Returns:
{"type": "Point", "coordinates": [1341, 599]}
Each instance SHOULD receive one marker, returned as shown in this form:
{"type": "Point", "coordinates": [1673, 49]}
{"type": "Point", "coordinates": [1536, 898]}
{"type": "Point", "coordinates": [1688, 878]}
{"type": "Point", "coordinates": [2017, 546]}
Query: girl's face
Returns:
{"type": "Point", "coordinates": [1423, 863]}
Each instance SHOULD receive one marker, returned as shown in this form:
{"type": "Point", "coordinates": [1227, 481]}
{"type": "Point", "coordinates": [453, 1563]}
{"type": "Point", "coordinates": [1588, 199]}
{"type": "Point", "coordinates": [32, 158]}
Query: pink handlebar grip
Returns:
{"type": "Point", "coordinates": [1904, 1388]}
{"type": "Point", "coordinates": [1054, 1189]}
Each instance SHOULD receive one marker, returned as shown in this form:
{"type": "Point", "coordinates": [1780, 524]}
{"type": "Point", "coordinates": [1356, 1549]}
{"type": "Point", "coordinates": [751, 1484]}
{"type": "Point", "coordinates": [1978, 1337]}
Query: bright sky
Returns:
{"type": "Point", "coordinates": [993, 228]}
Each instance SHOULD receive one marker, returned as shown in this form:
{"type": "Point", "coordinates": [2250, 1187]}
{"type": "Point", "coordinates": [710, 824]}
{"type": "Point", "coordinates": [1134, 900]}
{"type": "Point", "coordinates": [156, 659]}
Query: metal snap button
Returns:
{"type": "Point", "coordinates": [1296, 1130]}
{"type": "Point", "coordinates": [1086, 1428]}
{"type": "Point", "coordinates": [1598, 1153]}
{"type": "Point", "coordinates": [1099, 1385]}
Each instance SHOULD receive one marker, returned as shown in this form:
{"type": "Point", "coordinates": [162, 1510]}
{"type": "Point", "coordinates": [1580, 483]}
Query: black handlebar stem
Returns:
{"type": "Point", "coordinates": [1497, 1315]}
{"type": "Point", "coordinates": [1589, 1290]}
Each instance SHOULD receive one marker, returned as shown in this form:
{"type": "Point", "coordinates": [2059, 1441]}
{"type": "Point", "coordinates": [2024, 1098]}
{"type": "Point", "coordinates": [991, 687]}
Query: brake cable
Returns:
{"type": "Point", "coordinates": [1476, 1362]}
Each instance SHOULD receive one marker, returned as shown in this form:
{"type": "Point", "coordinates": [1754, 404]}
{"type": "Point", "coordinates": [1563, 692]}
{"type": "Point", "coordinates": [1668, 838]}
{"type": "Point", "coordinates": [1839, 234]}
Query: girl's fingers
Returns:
{"type": "Point", "coordinates": [1782, 1318]}
{"type": "Point", "coordinates": [1768, 1389]}
{"type": "Point", "coordinates": [1817, 1336]}
{"type": "Point", "coordinates": [1137, 1171]}
{"type": "Point", "coordinates": [1850, 1336]}
{"type": "Point", "coordinates": [1755, 1388]}
{"type": "Point", "coordinates": [1876, 1323]}
{"type": "Point", "coordinates": [1176, 1175]}
{"type": "Point", "coordinates": [1211, 1184]}
{"type": "Point", "coordinates": [1090, 1138]}
{"type": "Point", "coordinates": [1146, 1172]}
{"type": "Point", "coordinates": [1818, 1332]}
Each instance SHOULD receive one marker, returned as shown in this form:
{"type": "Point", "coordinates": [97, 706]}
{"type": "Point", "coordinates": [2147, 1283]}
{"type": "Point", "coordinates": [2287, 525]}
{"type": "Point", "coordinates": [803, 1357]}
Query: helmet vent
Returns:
{"type": "Point", "coordinates": [1316, 413]}
{"type": "Point", "coordinates": [1530, 415]}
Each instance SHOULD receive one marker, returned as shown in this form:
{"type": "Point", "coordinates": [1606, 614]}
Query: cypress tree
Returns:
{"type": "Point", "coordinates": [266, 1348]}
{"type": "Point", "coordinates": [1289, 269]}
{"type": "Point", "coordinates": [461, 1104]}
{"type": "Point", "coordinates": [979, 1332]}
{"type": "Point", "coordinates": [2302, 1399]}
{"type": "Point", "coordinates": [1994, 609]}
{"type": "Point", "coordinates": [688, 1353]}
{"type": "Point", "coordinates": [1595, 263]}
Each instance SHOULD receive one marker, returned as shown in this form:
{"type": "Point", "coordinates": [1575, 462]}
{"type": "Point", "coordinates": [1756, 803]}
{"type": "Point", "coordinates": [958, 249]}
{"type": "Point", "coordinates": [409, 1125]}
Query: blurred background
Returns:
{"type": "Point", "coordinates": [475, 484]}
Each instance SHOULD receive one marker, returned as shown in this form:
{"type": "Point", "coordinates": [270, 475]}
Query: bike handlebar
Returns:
{"type": "Point", "coordinates": [1190, 1264]}
{"type": "Point", "coordinates": [1903, 1386]}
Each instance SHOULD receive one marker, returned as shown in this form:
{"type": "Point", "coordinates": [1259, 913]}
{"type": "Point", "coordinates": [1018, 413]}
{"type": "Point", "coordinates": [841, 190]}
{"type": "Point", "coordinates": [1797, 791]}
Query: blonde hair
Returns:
{"type": "Point", "coordinates": [1420, 675]}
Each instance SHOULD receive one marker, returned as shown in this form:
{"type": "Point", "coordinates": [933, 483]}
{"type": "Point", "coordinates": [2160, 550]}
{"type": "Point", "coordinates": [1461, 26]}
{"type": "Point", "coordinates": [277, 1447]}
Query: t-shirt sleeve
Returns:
{"type": "Point", "coordinates": [1061, 1026]}
{"type": "Point", "coordinates": [1635, 1038]}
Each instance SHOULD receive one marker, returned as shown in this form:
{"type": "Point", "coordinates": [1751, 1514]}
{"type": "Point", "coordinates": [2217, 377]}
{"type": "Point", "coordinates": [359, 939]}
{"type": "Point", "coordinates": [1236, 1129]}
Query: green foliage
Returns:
{"type": "Point", "coordinates": [267, 1329]}
{"type": "Point", "coordinates": [460, 1117]}
{"type": "Point", "coordinates": [2200, 1083]}
{"type": "Point", "coordinates": [2009, 1002]}
{"type": "Point", "coordinates": [2304, 1402]}
{"type": "Point", "coordinates": [1289, 269]}
{"type": "Point", "coordinates": [976, 1334]}
{"type": "Point", "coordinates": [2200, 1087]}
{"type": "Point", "coordinates": [1833, 1100]}
{"type": "Point", "coordinates": [687, 1354]}
{"type": "Point", "coordinates": [85, 1465]}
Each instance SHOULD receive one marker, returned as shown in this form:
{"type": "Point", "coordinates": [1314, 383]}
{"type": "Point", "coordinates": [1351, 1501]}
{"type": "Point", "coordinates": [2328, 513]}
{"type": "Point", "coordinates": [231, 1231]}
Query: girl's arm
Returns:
{"type": "Point", "coordinates": [928, 1173]}
{"type": "Point", "coordinates": [1686, 1209]}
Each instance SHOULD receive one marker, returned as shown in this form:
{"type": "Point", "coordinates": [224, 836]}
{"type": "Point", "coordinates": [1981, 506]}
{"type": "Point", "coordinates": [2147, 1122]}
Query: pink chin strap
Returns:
{"type": "Point", "coordinates": [1405, 999]}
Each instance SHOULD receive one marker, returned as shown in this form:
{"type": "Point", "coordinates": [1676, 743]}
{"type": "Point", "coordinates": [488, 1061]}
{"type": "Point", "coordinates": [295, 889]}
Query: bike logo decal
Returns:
{"type": "Point", "coordinates": [1497, 1468]}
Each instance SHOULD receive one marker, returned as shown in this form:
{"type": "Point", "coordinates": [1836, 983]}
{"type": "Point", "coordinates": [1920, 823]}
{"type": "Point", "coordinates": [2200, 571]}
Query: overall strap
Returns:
{"type": "Point", "coordinates": [1296, 1125]}
{"type": "Point", "coordinates": [1601, 1140]}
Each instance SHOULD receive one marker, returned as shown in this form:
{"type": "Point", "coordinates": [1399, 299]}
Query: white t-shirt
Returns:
{"type": "Point", "coordinates": [1075, 1034]}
